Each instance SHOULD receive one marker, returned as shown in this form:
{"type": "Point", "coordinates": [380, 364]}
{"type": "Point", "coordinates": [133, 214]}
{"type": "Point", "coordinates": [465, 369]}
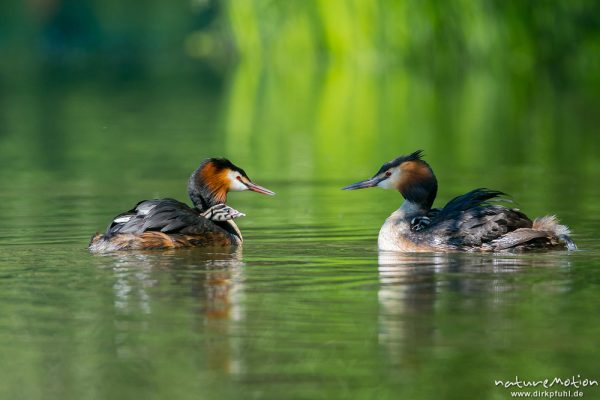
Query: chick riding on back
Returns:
{"type": "Point", "coordinates": [168, 223]}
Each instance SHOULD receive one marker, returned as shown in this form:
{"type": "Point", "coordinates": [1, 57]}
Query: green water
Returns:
{"type": "Point", "coordinates": [308, 308]}
{"type": "Point", "coordinates": [103, 104]}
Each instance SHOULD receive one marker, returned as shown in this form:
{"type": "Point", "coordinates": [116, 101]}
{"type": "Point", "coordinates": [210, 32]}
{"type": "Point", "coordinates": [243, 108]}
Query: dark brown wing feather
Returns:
{"type": "Point", "coordinates": [164, 215]}
{"type": "Point", "coordinates": [163, 223]}
{"type": "Point", "coordinates": [470, 221]}
{"type": "Point", "coordinates": [475, 198]}
{"type": "Point", "coordinates": [480, 225]}
{"type": "Point", "coordinates": [520, 237]}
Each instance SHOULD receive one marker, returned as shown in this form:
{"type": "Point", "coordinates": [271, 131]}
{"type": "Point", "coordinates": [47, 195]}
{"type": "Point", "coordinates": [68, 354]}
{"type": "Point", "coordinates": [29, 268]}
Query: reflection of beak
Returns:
{"type": "Point", "coordinates": [258, 189]}
{"type": "Point", "coordinates": [365, 184]}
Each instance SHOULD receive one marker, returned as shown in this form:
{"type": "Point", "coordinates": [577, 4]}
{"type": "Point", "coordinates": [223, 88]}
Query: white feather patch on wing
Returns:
{"type": "Point", "coordinates": [144, 209]}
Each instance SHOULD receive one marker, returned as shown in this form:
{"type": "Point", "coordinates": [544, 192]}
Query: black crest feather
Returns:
{"type": "Point", "coordinates": [222, 163]}
{"type": "Point", "coordinates": [474, 198]}
{"type": "Point", "coordinates": [414, 156]}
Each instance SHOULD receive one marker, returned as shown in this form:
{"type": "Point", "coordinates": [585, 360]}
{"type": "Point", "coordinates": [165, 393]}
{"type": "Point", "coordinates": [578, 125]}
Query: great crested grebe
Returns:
{"type": "Point", "coordinates": [168, 223]}
{"type": "Point", "coordinates": [467, 223]}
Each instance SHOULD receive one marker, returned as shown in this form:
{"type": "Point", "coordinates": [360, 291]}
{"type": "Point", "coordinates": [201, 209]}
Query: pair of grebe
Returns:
{"type": "Point", "coordinates": [466, 223]}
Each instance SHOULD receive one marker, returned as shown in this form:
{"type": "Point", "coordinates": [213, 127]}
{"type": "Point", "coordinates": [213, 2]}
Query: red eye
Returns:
{"type": "Point", "coordinates": [239, 178]}
{"type": "Point", "coordinates": [388, 173]}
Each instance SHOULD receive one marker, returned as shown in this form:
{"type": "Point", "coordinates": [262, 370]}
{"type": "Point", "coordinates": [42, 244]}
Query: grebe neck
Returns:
{"type": "Point", "coordinates": [206, 191]}
{"type": "Point", "coordinates": [410, 209]}
{"type": "Point", "coordinates": [418, 186]}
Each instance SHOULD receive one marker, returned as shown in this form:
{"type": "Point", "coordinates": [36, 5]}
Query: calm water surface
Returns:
{"type": "Point", "coordinates": [308, 308]}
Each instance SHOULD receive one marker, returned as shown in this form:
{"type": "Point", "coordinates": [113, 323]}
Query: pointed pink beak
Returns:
{"type": "Point", "coordinates": [258, 189]}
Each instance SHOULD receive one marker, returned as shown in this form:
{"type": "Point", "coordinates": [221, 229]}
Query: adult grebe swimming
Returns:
{"type": "Point", "coordinates": [467, 223]}
{"type": "Point", "coordinates": [168, 223]}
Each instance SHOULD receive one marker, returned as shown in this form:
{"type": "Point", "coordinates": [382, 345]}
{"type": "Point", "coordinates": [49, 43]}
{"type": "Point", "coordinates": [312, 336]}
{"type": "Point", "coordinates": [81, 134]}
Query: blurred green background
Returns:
{"type": "Point", "coordinates": [105, 103]}
{"type": "Point", "coordinates": [299, 89]}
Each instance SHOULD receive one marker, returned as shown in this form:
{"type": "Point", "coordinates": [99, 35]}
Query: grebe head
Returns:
{"type": "Point", "coordinates": [216, 177]}
{"type": "Point", "coordinates": [408, 174]}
